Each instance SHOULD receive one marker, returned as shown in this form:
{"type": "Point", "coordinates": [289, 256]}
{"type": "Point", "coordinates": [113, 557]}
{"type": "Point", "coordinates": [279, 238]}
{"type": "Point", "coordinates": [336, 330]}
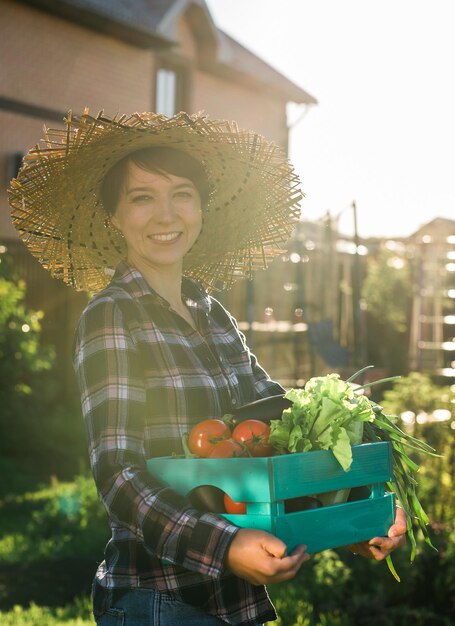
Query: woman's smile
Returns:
{"type": "Point", "coordinates": [165, 237]}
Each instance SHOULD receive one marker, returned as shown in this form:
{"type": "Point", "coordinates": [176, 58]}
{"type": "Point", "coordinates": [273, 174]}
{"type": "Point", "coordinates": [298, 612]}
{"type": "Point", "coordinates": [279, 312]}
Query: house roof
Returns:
{"type": "Point", "coordinates": [133, 21]}
{"type": "Point", "coordinates": [235, 58]}
{"type": "Point", "coordinates": [152, 24]}
{"type": "Point", "coordinates": [440, 227]}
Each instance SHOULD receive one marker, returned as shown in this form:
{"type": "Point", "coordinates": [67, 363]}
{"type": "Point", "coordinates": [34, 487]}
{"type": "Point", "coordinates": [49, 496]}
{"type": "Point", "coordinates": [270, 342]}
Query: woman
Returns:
{"type": "Point", "coordinates": [175, 205]}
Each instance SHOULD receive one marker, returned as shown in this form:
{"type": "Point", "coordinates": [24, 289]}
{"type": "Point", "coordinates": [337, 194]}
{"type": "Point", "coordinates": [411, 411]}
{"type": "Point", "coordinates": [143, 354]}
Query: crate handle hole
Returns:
{"type": "Point", "coordinates": [207, 498]}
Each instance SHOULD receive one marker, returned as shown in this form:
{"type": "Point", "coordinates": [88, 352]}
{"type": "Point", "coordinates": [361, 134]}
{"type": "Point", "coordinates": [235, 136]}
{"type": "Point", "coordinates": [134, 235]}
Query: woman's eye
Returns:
{"type": "Point", "coordinates": [145, 197]}
{"type": "Point", "coordinates": [184, 194]}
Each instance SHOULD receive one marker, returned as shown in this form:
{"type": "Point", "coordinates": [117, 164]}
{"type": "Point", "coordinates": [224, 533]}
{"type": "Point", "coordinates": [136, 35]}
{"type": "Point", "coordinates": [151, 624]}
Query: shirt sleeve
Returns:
{"type": "Point", "coordinates": [265, 386]}
{"type": "Point", "coordinates": [113, 398]}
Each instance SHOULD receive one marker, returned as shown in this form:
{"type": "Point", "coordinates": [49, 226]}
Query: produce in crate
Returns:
{"type": "Point", "coordinates": [212, 438]}
{"type": "Point", "coordinates": [325, 415]}
{"type": "Point", "coordinates": [333, 415]}
{"type": "Point", "coordinates": [231, 506]}
{"type": "Point", "coordinates": [205, 435]}
{"type": "Point", "coordinates": [254, 435]}
{"type": "Point", "coordinates": [226, 449]}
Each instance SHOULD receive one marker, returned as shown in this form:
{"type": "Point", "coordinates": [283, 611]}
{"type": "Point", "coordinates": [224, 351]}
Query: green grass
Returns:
{"type": "Point", "coordinates": [76, 614]}
{"type": "Point", "coordinates": [55, 521]}
{"type": "Point", "coordinates": [51, 539]}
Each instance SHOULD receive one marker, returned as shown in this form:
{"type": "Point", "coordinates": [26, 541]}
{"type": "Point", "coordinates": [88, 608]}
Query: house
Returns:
{"type": "Point", "coordinates": [120, 56]}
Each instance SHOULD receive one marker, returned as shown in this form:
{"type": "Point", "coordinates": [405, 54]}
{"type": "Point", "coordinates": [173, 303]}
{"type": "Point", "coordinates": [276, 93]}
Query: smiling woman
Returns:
{"type": "Point", "coordinates": [171, 207]}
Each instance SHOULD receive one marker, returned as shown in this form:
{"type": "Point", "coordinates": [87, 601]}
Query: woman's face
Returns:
{"type": "Point", "coordinates": [159, 216]}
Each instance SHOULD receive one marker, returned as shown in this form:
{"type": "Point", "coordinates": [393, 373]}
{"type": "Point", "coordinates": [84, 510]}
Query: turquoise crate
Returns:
{"type": "Point", "coordinates": [266, 483]}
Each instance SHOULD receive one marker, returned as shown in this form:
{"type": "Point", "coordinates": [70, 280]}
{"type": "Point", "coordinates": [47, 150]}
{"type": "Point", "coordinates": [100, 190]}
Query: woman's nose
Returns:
{"type": "Point", "coordinates": [164, 210]}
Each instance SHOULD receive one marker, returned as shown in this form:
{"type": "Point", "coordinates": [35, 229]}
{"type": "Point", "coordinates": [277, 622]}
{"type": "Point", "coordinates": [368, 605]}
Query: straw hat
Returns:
{"type": "Point", "coordinates": [57, 210]}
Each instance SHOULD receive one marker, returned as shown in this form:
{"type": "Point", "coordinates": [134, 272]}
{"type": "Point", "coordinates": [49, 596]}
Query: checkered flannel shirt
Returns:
{"type": "Point", "coordinates": [145, 377]}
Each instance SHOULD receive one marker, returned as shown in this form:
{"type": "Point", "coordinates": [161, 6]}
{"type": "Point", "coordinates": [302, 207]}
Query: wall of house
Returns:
{"type": "Point", "coordinates": [222, 98]}
{"type": "Point", "coordinates": [247, 106]}
{"type": "Point", "coordinates": [187, 47]}
{"type": "Point", "coordinates": [50, 62]}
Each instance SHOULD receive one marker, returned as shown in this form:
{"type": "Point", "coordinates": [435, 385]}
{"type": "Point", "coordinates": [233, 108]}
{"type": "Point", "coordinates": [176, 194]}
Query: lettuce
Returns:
{"type": "Point", "coordinates": [325, 415]}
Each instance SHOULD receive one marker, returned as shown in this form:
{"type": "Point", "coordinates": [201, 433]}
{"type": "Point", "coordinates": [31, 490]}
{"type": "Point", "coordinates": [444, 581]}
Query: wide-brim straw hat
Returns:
{"type": "Point", "coordinates": [56, 206]}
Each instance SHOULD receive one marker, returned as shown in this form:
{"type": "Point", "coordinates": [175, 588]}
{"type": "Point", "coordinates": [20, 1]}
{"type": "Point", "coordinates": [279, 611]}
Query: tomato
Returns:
{"type": "Point", "coordinates": [254, 434]}
{"type": "Point", "coordinates": [225, 449]}
{"type": "Point", "coordinates": [206, 434]}
{"type": "Point", "coordinates": [234, 507]}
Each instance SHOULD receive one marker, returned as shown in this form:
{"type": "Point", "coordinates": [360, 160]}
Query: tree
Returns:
{"type": "Point", "coordinates": [387, 291]}
{"type": "Point", "coordinates": [36, 429]}
{"type": "Point", "coordinates": [22, 358]}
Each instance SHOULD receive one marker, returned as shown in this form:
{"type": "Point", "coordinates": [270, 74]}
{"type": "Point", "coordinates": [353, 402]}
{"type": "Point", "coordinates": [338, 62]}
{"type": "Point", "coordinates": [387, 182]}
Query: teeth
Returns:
{"type": "Point", "coordinates": [166, 237]}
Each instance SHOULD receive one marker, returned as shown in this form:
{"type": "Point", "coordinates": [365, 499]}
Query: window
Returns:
{"type": "Point", "coordinates": [166, 91]}
{"type": "Point", "coordinates": [171, 89]}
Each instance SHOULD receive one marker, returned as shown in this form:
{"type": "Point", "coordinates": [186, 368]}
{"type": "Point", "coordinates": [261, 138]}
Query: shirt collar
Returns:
{"type": "Point", "coordinates": [132, 281]}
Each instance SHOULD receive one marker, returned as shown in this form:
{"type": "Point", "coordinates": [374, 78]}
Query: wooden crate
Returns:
{"type": "Point", "coordinates": [266, 483]}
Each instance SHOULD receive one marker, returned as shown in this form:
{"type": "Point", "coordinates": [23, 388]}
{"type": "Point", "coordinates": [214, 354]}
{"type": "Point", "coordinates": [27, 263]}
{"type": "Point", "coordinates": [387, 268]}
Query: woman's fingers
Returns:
{"type": "Point", "coordinates": [400, 526]}
{"type": "Point", "coordinates": [396, 537]}
{"type": "Point", "coordinates": [273, 546]}
{"type": "Point", "coordinates": [261, 558]}
{"type": "Point", "coordinates": [290, 565]}
{"type": "Point", "coordinates": [379, 548]}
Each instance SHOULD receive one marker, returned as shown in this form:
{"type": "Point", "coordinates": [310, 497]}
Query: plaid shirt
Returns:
{"type": "Point", "coordinates": [145, 377]}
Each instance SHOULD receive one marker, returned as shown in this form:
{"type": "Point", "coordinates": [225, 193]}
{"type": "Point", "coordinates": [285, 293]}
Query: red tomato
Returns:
{"type": "Point", "coordinates": [254, 434]}
{"type": "Point", "coordinates": [234, 507]}
{"type": "Point", "coordinates": [225, 449]}
{"type": "Point", "coordinates": [206, 434]}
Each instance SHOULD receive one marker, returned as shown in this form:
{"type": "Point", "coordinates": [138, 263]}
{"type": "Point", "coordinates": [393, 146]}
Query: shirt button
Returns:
{"type": "Point", "coordinates": [234, 401]}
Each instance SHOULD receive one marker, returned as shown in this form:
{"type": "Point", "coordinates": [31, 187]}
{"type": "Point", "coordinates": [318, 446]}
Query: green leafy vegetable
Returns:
{"type": "Point", "coordinates": [325, 415]}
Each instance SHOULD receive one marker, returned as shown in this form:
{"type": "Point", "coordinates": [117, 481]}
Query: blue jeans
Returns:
{"type": "Point", "coordinates": [146, 607]}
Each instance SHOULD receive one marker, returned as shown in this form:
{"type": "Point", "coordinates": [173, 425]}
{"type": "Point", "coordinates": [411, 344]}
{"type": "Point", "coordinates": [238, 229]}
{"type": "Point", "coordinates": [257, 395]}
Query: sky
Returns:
{"type": "Point", "coordinates": [383, 132]}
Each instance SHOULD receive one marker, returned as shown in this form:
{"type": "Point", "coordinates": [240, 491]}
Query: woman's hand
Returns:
{"type": "Point", "coordinates": [379, 548]}
{"type": "Point", "coordinates": [260, 558]}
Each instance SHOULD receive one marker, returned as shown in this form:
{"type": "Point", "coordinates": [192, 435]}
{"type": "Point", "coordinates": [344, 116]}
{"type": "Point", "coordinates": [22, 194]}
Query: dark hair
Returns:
{"type": "Point", "coordinates": [158, 159]}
